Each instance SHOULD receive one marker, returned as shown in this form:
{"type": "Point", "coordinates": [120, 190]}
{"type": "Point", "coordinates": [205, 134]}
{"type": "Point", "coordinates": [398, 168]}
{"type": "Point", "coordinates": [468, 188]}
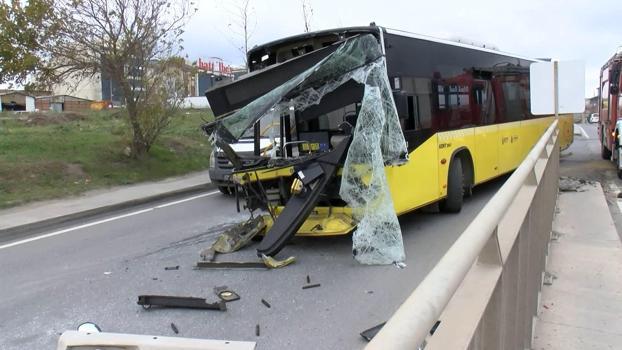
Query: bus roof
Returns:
{"type": "Point", "coordinates": [375, 30]}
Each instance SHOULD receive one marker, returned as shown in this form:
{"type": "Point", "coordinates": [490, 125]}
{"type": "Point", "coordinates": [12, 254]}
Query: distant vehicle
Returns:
{"type": "Point", "coordinates": [220, 168]}
{"type": "Point", "coordinates": [593, 118]}
{"type": "Point", "coordinates": [610, 111]}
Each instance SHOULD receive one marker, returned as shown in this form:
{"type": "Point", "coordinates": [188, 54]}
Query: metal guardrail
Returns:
{"type": "Point", "coordinates": [485, 290]}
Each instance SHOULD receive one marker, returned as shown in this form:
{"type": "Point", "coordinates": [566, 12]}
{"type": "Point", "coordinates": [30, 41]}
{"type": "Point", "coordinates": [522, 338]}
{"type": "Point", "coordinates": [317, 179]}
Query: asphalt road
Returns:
{"type": "Point", "coordinates": [94, 271]}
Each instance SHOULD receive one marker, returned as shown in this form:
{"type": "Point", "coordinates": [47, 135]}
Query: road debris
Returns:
{"type": "Point", "coordinates": [171, 268]}
{"type": "Point", "coordinates": [257, 331]}
{"type": "Point", "coordinates": [107, 273]}
{"type": "Point", "coordinates": [267, 304]}
{"type": "Point", "coordinates": [226, 294]}
{"type": "Point", "coordinates": [399, 265]}
{"type": "Point", "coordinates": [147, 301]}
{"type": "Point", "coordinates": [308, 279]}
{"type": "Point", "coordinates": [230, 265]}
{"type": "Point", "coordinates": [370, 333]}
{"type": "Point", "coordinates": [274, 263]}
{"type": "Point", "coordinates": [571, 184]}
{"type": "Point", "coordinates": [174, 328]}
{"type": "Point", "coordinates": [311, 286]}
{"type": "Point", "coordinates": [234, 238]}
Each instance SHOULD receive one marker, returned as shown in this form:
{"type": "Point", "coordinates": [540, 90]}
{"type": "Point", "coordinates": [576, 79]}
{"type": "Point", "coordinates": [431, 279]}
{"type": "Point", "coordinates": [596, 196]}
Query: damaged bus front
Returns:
{"type": "Point", "coordinates": [334, 127]}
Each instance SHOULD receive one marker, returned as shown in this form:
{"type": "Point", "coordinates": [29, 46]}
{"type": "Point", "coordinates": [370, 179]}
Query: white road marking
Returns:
{"type": "Point", "coordinates": [186, 200]}
{"type": "Point", "coordinates": [60, 232]}
{"type": "Point", "coordinates": [582, 131]}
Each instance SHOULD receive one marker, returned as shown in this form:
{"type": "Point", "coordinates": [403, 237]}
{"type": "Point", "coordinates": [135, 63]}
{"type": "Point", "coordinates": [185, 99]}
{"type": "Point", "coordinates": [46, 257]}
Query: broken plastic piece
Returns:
{"type": "Point", "coordinates": [311, 286]}
{"type": "Point", "coordinates": [226, 294]}
{"type": "Point", "coordinates": [274, 263]}
{"type": "Point", "coordinates": [235, 238]}
{"type": "Point", "coordinates": [239, 236]}
{"type": "Point", "coordinates": [370, 333]}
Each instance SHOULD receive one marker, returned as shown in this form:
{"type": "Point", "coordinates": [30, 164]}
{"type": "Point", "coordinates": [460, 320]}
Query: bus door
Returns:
{"type": "Point", "coordinates": [486, 155]}
{"type": "Point", "coordinates": [509, 114]}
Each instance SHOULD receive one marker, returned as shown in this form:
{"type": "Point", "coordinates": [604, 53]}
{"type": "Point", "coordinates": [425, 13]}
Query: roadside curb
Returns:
{"type": "Point", "coordinates": [6, 234]}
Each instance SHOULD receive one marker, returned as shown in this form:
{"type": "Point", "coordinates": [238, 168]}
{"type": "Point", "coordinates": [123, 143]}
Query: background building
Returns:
{"type": "Point", "coordinates": [17, 101]}
{"type": "Point", "coordinates": [62, 103]}
{"type": "Point", "coordinates": [197, 77]}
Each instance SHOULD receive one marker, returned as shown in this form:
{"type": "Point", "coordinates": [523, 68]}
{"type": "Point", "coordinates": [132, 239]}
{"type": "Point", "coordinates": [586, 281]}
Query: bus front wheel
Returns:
{"type": "Point", "coordinates": [455, 188]}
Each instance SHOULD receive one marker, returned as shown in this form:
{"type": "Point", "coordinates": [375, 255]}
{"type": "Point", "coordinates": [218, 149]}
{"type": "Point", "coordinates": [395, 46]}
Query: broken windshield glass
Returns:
{"type": "Point", "coordinates": [377, 140]}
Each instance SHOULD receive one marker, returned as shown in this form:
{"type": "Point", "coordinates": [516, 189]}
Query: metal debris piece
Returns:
{"type": "Point", "coordinates": [172, 268]}
{"type": "Point", "coordinates": [267, 304]}
{"type": "Point", "coordinates": [308, 279]}
{"type": "Point", "coordinates": [311, 286]}
{"type": "Point", "coordinates": [229, 265]}
{"type": "Point", "coordinates": [274, 263]}
{"type": "Point", "coordinates": [226, 294]}
{"type": "Point", "coordinates": [257, 330]}
{"type": "Point", "coordinates": [235, 238]}
{"type": "Point", "coordinates": [370, 333]}
{"type": "Point", "coordinates": [174, 328]}
{"type": "Point", "coordinates": [147, 301]}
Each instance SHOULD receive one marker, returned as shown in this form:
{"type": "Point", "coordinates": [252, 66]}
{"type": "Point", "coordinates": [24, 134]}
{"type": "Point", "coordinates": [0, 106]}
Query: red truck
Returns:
{"type": "Point", "coordinates": [610, 111]}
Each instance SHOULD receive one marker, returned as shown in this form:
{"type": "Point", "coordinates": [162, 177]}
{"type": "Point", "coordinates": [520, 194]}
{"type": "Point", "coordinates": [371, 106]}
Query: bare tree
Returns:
{"type": "Point", "coordinates": [307, 14]}
{"type": "Point", "coordinates": [130, 41]}
{"type": "Point", "coordinates": [242, 25]}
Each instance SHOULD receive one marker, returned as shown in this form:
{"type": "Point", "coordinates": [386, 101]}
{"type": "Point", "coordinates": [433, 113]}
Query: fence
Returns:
{"type": "Point", "coordinates": [485, 290]}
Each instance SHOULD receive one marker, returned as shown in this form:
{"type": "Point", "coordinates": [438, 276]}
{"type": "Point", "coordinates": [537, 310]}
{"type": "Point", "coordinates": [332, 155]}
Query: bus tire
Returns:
{"type": "Point", "coordinates": [605, 152]}
{"type": "Point", "coordinates": [455, 188]}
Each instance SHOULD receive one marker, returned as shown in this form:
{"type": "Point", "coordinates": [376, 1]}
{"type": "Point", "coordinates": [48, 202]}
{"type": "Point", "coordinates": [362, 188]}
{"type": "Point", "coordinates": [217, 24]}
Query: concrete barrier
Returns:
{"type": "Point", "coordinates": [485, 290]}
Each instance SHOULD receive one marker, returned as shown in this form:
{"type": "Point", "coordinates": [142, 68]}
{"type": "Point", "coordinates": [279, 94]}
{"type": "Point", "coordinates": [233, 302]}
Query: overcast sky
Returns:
{"type": "Point", "coordinates": [590, 31]}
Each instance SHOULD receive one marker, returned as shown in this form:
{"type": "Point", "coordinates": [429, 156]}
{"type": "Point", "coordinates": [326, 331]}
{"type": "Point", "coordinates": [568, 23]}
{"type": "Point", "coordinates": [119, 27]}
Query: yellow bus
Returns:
{"type": "Point", "coordinates": [436, 117]}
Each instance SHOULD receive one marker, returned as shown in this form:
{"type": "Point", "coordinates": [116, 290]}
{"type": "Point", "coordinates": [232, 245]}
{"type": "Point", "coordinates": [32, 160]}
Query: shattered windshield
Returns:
{"type": "Point", "coordinates": [377, 140]}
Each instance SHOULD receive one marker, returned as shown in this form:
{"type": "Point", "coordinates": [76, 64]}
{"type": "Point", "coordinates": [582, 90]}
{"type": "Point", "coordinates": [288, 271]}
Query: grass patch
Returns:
{"type": "Point", "coordinates": [49, 155]}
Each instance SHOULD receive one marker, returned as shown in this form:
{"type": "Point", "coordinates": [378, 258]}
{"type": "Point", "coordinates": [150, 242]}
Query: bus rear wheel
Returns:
{"type": "Point", "coordinates": [455, 188]}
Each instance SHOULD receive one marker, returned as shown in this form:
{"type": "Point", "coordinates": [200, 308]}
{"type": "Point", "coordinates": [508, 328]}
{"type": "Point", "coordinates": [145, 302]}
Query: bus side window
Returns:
{"type": "Point", "coordinates": [513, 101]}
{"type": "Point", "coordinates": [484, 99]}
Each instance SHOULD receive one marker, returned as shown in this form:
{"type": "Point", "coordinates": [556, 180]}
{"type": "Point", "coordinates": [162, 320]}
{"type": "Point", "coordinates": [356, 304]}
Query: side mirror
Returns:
{"type": "Point", "coordinates": [89, 327]}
